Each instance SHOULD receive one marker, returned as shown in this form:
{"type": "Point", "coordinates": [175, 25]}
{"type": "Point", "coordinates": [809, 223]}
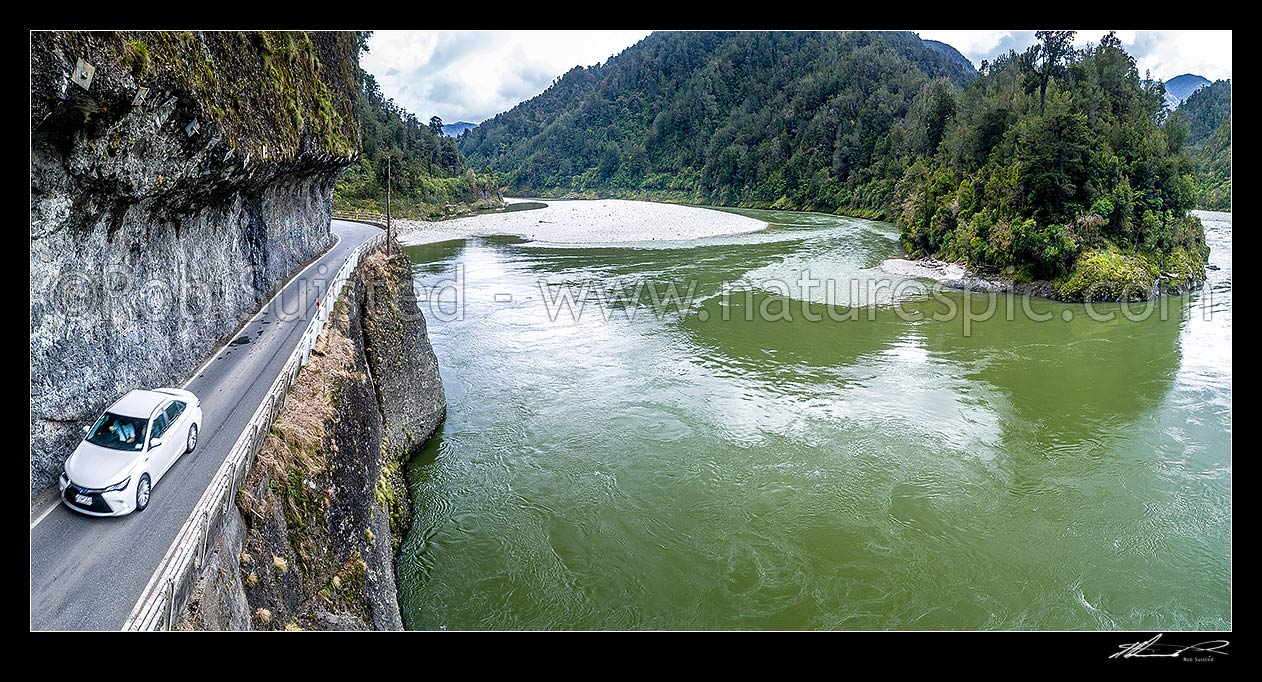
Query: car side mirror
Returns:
{"type": "Point", "coordinates": [155, 442]}
{"type": "Point", "coordinates": [86, 429]}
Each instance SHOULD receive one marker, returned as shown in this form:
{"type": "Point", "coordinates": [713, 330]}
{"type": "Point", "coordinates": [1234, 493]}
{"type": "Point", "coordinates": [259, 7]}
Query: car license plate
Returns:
{"type": "Point", "coordinates": [83, 499]}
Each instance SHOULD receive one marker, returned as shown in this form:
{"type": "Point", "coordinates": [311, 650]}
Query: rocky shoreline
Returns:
{"type": "Point", "coordinates": [957, 276]}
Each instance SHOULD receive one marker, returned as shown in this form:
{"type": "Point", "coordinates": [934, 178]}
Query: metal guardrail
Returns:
{"type": "Point", "coordinates": [378, 219]}
{"type": "Point", "coordinates": [172, 583]}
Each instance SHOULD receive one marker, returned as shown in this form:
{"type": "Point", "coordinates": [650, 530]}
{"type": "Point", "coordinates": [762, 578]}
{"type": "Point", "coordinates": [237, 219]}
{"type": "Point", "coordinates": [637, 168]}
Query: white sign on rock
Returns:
{"type": "Point", "coordinates": [83, 72]}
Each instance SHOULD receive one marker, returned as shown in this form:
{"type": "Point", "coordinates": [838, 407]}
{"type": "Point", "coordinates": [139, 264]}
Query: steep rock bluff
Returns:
{"type": "Point", "coordinates": [311, 541]}
{"type": "Point", "coordinates": [169, 198]}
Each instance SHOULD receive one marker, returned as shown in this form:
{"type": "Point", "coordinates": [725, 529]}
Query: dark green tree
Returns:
{"type": "Point", "coordinates": [361, 41]}
{"type": "Point", "coordinates": [1044, 60]}
{"type": "Point", "coordinates": [1055, 156]}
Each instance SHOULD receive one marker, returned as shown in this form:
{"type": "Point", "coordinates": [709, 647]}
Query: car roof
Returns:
{"type": "Point", "coordinates": [139, 403]}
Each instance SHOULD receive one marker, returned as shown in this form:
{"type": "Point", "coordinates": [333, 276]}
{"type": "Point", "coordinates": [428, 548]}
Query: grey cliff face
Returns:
{"type": "Point", "coordinates": [161, 219]}
{"type": "Point", "coordinates": [404, 367]}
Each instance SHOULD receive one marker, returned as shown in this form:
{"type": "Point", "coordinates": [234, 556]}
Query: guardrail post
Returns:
{"type": "Point", "coordinates": [231, 485]}
{"type": "Point", "coordinates": [201, 554]}
{"type": "Point", "coordinates": [170, 620]}
{"type": "Point", "coordinates": [248, 462]}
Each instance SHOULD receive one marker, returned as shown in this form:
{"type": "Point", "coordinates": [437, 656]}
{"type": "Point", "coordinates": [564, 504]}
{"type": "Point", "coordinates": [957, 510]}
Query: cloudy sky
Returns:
{"type": "Point", "coordinates": [473, 75]}
{"type": "Point", "coordinates": [1166, 53]}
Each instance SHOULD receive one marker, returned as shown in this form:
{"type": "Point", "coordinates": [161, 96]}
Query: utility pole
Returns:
{"type": "Point", "coordinates": [387, 203]}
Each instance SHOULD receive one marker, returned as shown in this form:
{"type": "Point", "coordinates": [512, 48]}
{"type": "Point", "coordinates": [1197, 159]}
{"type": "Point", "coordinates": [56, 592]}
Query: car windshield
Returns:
{"type": "Point", "coordinates": [118, 432]}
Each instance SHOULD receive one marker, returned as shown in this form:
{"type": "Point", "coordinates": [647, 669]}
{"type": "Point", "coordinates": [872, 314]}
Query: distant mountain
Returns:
{"type": "Point", "coordinates": [1179, 88]}
{"type": "Point", "coordinates": [954, 56]}
{"type": "Point", "coordinates": [1206, 110]}
{"type": "Point", "coordinates": [454, 129]}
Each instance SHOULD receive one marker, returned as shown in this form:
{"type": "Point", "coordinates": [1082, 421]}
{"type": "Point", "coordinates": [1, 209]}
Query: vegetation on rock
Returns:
{"type": "Point", "coordinates": [326, 506]}
{"type": "Point", "coordinates": [1087, 185]}
{"type": "Point", "coordinates": [268, 93]}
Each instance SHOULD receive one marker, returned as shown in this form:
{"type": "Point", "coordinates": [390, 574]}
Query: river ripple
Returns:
{"type": "Point", "coordinates": [891, 471]}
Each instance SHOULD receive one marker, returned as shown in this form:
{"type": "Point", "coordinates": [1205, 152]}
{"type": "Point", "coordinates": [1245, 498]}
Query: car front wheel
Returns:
{"type": "Point", "coordinates": [143, 488]}
{"type": "Point", "coordinates": [192, 438]}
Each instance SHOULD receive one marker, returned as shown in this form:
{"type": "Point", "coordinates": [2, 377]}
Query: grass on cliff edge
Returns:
{"type": "Point", "coordinates": [298, 434]}
{"type": "Point", "coordinates": [262, 89]}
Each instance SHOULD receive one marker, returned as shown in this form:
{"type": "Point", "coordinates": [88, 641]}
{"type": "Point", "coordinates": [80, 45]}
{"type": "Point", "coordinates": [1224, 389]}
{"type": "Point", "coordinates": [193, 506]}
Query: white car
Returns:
{"type": "Point", "coordinates": [127, 450]}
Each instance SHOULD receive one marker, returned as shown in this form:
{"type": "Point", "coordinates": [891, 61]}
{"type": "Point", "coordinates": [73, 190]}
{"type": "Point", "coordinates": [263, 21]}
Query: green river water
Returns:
{"type": "Point", "coordinates": [888, 466]}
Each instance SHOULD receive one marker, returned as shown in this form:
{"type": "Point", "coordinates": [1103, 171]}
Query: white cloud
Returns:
{"type": "Point", "coordinates": [1165, 53]}
{"type": "Point", "coordinates": [473, 75]}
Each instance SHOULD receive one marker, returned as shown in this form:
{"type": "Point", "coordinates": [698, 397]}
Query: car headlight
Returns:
{"type": "Point", "coordinates": [118, 486]}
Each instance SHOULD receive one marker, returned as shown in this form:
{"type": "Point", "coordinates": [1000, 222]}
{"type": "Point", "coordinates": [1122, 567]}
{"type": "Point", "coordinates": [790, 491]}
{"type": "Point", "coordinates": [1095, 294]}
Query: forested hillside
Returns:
{"type": "Point", "coordinates": [429, 176]}
{"type": "Point", "coordinates": [1056, 164]}
{"type": "Point", "coordinates": [804, 120]}
{"type": "Point", "coordinates": [1207, 113]}
{"type": "Point", "coordinates": [953, 55]}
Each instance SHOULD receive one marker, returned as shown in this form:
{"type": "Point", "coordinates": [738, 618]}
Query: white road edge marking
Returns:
{"type": "Point", "coordinates": [48, 511]}
{"type": "Point", "coordinates": [57, 500]}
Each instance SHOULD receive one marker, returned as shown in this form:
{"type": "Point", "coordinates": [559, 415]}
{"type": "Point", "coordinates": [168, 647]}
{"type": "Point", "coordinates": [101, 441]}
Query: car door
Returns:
{"type": "Point", "coordinates": [159, 456]}
{"type": "Point", "coordinates": [177, 428]}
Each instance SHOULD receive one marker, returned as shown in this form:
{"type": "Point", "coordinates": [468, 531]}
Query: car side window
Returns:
{"type": "Point", "coordinates": [159, 426]}
{"type": "Point", "coordinates": [174, 411]}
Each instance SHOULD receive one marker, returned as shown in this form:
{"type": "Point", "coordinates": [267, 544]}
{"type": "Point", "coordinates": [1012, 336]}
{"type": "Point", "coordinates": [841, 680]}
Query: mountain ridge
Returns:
{"type": "Point", "coordinates": [454, 129]}
{"type": "Point", "coordinates": [1179, 88]}
{"type": "Point", "coordinates": [719, 117]}
{"type": "Point", "coordinates": [1207, 115]}
{"type": "Point", "coordinates": [952, 54]}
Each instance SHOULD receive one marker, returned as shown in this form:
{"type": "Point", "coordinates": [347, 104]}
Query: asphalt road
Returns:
{"type": "Point", "coordinates": [88, 572]}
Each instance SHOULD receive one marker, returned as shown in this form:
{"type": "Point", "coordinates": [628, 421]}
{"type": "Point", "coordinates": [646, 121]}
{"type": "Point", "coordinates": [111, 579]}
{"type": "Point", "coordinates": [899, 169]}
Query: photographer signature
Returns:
{"type": "Point", "coordinates": [1153, 649]}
